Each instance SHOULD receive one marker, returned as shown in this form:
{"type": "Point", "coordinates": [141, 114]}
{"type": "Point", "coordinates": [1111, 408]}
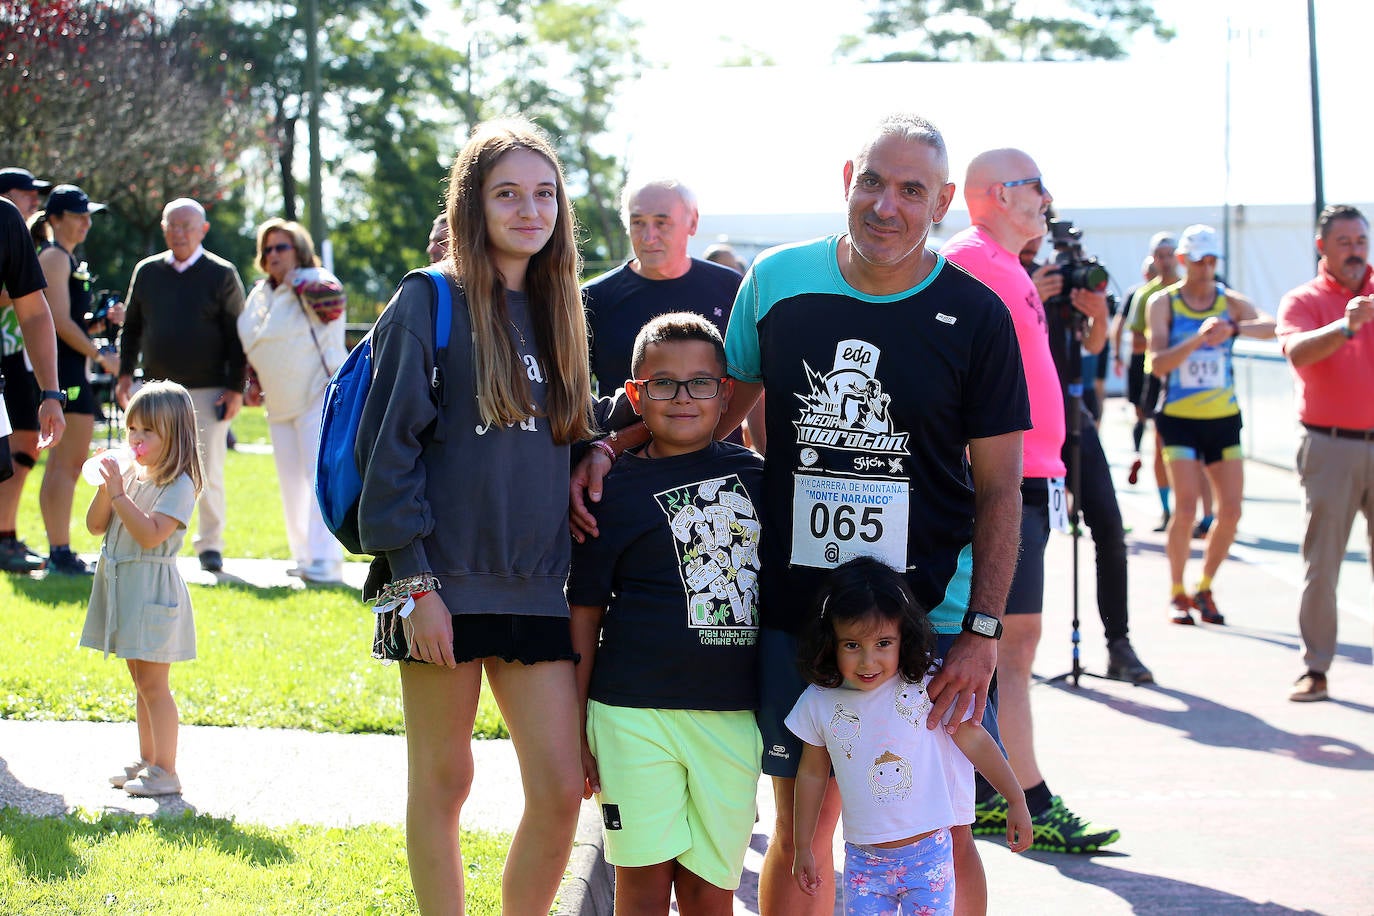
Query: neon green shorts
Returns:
{"type": "Point", "coordinates": [677, 784]}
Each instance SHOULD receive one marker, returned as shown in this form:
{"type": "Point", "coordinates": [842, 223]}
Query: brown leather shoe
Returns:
{"type": "Point", "coordinates": [1309, 688]}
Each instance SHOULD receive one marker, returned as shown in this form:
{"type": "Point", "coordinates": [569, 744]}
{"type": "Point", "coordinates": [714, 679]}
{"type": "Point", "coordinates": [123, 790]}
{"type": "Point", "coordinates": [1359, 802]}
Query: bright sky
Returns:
{"type": "Point", "coordinates": [802, 114]}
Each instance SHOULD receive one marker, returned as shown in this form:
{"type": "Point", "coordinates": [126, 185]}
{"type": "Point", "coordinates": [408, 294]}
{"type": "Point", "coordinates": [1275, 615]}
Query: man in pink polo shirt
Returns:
{"type": "Point", "coordinates": [1321, 328]}
{"type": "Point", "coordinates": [1007, 201]}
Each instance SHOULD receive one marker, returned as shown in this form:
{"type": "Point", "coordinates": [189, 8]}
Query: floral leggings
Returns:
{"type": "Point", "coordinates": [915, 880]}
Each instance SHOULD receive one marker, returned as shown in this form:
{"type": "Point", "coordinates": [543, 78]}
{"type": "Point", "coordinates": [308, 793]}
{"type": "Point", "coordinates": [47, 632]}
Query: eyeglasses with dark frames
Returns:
{"type": "Point", "coordinates": [666, 389]}
{"type": "Point", "coordinates": [1037, 181]}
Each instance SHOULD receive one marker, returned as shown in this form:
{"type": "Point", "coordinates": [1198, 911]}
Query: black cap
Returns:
{"type": "Point", "coordinates": [68, 198]}
{"type": "Point", "coordinates": [17, 179]}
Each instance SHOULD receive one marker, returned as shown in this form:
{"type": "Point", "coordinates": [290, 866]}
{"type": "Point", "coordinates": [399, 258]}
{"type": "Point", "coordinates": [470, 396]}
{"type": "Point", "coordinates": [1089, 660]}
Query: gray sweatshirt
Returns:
{"type": "Point", "coordinates": [483, 509]}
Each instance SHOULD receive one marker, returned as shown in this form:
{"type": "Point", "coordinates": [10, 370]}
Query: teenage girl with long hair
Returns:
{"type": "Point", "coordinates": [464, 502]}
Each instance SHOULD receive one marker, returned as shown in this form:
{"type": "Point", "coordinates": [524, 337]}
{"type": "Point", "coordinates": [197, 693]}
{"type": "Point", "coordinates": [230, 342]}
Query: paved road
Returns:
{"type": "Point", "coordinates": [1230, 799]}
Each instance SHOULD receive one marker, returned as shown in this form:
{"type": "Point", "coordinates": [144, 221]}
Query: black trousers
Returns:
{"type": "Point", "coordinates": [1102, 515]}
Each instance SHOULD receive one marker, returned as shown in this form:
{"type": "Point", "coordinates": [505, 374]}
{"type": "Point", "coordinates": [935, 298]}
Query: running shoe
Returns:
{"type": "Point", "coordinates": [1124, 665]}
{"type": "Point", "coordinates": [1057, 829]}
{"type": "Point", "coordinates": [990, 817]}
{"type": "Point", "coordinates": [1200, 530]}
{"type": "Point", "coordinates": [1208, 608]}
{"type": "Point", "coordinates": [1163, 524]}
{"type": "Point", "coordinates": [65, 563]}
{"type": "Point", "coordinates": [16, 557]}
{"type": "Point", "coordinates": [1133, 476]}
{"type": "Point", "coordinates": [1180, 604]}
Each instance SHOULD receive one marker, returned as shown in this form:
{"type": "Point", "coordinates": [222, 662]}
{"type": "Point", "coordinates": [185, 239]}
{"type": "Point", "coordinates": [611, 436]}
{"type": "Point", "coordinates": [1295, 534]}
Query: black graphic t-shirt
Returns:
{"type": "Point", "coordinates": [676, 566]}
{"type": "Point", "coordinates": [871, 403]}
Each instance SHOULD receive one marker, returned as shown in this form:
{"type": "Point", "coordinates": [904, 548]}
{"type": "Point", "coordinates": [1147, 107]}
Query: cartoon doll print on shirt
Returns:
{"type": "Point", "coordinates": [890, 777]}
{"type": "Point", "coordinates": [844, 726]}
{"type": "Point", "coordinates": [912, 704]}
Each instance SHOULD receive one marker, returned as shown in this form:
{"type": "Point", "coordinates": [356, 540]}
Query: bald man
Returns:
{"type": "Point", "coordinates": [1007, 200]}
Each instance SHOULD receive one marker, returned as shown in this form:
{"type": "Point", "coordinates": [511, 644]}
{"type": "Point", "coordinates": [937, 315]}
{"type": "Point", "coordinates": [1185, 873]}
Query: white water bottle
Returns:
{"type": "Point", "coordinates": [91, 469]}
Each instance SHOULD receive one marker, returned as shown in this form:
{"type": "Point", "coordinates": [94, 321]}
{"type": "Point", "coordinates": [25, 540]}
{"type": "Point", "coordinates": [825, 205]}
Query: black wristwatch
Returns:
{"type": "Point", "coordinates": [59, 396]}
{"type": "Point", "coordinates": [983, 625]}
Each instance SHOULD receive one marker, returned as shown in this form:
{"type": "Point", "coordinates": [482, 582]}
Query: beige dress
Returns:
{"type": "Point", "coordinates": [140, 607]}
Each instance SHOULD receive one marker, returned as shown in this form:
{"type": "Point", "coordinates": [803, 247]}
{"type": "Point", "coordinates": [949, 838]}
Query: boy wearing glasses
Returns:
{"type": "Point", "coordinates": [664, 616]}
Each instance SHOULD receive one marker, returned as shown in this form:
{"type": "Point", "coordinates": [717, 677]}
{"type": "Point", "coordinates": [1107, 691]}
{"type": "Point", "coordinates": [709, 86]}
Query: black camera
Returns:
{"type": "Point", "coordinates": [101, 304]}
{"type": "Point", "coordinates": [1078, 269]}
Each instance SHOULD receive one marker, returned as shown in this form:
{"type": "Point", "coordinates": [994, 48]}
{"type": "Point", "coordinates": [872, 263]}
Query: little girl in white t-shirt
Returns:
{"type": "Point", "coordinates": [869, 654]}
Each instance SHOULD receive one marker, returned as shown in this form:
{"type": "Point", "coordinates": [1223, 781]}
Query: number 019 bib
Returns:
{"type": "Point", "coordinates": [835, 519]}
{"type": "Point", "coordinates": [1205, 369]}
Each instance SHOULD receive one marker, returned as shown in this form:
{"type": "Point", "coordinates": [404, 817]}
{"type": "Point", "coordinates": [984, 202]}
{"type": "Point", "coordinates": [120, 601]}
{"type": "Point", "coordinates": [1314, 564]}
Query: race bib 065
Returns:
{"type": "Point", "coordinates": [835, 519]}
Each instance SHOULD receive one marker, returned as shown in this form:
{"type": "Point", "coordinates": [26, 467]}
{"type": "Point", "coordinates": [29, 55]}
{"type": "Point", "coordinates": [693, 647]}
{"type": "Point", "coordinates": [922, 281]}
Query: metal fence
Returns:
{"type": "Point", "coordinates": [1264, 387]}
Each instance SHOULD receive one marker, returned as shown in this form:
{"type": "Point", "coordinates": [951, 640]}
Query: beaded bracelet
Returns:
{"type": "Point", "coordinates": [403, 588]}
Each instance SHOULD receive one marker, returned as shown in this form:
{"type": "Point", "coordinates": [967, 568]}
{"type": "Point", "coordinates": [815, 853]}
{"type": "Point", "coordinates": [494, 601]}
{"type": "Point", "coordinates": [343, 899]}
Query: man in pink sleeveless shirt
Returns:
{"type": "Point", "coordinates": [1007, 201]}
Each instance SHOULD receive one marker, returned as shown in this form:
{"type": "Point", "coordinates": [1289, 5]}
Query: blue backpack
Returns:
{"type": "Point", "coordinates": [338, 484]}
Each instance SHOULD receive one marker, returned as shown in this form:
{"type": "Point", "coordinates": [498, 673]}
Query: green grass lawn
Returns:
{"type": "Point", "coordinates": [120, 864]}
{"type": "Point", "coordinates": [254, 529]}
{"type": "Point", "coordinates": [269, 657]}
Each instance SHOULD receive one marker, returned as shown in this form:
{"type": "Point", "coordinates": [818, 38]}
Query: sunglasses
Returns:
{"type": "Point", "coordinates": [279, 248]}
{"type": "Point", "coordinates": [1037, 181]}
{"type": "Point", "coordinates": [665, 389]}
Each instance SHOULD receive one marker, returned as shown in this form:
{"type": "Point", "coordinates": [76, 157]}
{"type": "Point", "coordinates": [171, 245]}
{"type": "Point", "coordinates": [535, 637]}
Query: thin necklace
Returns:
{"type": "Point", "coordinates": [518, 333]}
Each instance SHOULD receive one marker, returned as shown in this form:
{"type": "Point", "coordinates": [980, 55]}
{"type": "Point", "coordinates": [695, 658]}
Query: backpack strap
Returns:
{"type": "Point", "coordinates": [443, 326]}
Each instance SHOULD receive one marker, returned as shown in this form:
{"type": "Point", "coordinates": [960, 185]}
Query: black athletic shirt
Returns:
{"type": "Point", "coordinates": [676, 566]}
{"type": "Point", "coordinates": [871, 401]}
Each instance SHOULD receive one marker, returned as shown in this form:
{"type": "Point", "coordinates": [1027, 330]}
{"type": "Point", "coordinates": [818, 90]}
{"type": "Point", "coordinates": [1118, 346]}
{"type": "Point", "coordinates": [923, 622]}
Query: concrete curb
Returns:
{"type": "Point", "coordinates": [589, 889]}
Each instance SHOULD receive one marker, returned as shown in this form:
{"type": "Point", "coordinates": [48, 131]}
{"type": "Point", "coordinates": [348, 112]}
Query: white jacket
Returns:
{"type": "Point", "coordinates": [275, 327]}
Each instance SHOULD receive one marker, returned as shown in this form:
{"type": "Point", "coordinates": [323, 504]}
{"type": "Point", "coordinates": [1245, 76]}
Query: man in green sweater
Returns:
{"type": "Point", "coordinates": [181, 319]}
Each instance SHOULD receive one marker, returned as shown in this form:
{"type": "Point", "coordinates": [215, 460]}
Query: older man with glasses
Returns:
{"type": "Point", "coordinates": [181, 322]}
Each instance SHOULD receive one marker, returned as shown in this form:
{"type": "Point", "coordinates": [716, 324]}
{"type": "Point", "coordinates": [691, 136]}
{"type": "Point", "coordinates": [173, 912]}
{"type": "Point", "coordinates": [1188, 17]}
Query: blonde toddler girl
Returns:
{"type": "Point", "coordinates": [140, 609]}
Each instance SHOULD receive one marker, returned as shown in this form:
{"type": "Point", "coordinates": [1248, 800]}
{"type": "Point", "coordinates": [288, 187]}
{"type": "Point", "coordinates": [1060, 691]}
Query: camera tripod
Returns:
{"type": "Point", "coordinates": [1073, 365]}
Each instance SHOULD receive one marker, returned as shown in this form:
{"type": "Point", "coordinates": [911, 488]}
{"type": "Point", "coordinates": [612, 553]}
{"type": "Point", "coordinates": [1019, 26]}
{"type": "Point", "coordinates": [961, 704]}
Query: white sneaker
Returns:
{"type": "Point", "coordinates": [119, 779]}
{"type": "Point", "coordinates": [323, 572]}
{"type": "Point", "coordinates": [153, 781]}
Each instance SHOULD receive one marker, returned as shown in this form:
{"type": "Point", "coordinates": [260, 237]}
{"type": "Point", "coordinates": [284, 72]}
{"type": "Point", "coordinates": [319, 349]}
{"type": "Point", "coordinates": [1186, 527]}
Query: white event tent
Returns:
{"type": "Point", "coordinates": [1127, 149]}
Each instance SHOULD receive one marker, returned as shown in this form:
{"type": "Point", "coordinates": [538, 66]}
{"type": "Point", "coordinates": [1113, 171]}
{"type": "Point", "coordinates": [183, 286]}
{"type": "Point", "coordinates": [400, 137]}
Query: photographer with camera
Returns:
{"type": "Point", "coordinates": [68, 215]}
{"type": "Point", "coordinates": [1007, 201]}
{"type": "Point", "coordinates": [1093, 490]}
{"type": "Point", "coordinates": [1193, 325]}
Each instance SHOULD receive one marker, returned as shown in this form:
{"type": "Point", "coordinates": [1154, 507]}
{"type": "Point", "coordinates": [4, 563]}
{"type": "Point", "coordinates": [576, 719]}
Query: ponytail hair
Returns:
{"type": "Point", "coordinates": [39, 230]}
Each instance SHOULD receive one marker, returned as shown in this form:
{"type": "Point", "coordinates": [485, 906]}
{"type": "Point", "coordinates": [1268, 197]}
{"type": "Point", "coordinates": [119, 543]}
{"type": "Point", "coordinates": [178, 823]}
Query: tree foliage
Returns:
{"type": "Point", "coordinates": [141, 101]}
{"type": "Point", "coordinates": [402, 86]}
{"type": "Point", "coordinates": [992, 30]}
{"type": "Point", "coordinates": [594, 37]}
{"type": "Point", "coordinates": [135, 107]}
